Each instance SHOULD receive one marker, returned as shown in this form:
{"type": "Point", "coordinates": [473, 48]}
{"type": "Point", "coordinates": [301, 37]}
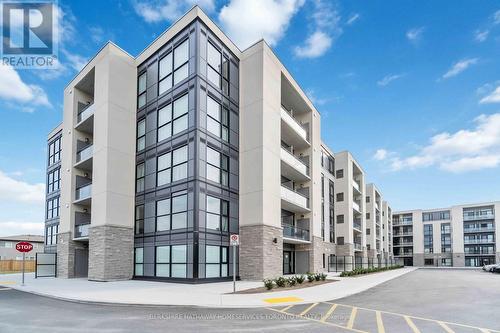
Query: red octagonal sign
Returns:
{"type": "Point", "coordinates": [24, 247]}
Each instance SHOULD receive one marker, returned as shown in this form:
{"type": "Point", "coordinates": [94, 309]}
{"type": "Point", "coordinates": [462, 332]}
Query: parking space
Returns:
{"type": "Point", "coordinates": [449, 301]}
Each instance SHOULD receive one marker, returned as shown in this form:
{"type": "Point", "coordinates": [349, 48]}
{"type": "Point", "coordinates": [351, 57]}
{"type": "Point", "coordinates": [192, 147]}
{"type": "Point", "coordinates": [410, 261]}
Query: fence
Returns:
{"type": "Point", "coordinates": [349, 263]}
{"type": "Point", "coordinates": [46, 265]}
{"type": "Point", "coordinates": [14, 266]}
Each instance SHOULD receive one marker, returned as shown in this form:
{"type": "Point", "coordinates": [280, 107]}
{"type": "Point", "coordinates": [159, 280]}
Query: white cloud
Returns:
{"type": "Point", "coordinates": [77, 62]}
{"type": "Point", "coordinates": [326, 28]}
{"type": "Point", "coordinates": [97, 34]}
{"type": "Point", "coordinates": [415, 35]}
{"type": "Point", "coordinates": [493, 97]}
{"type": "Point", "coordinates": [11, 228]}
{"type": "Point", "coordinates": [381, 154]}
{"type": "Point", "coordinates": [315, 45]}
{"type": "Point", "coordinates": [153, 11]}
{"type": "Point", "coordinates": [13, 88]}
{"type": "Point", "coordinates": [462, 151]}
{"type": "Point", "coordinates": [496, 17]}
{"type": "Point", "coordinates": [388, 79]}
{"type": "Point", "coordinates": [481, 36]}
{"type": "Point", "coordinates": [459, 67]}
{"type": "Point", "coordinates": [14, 190]}
{"type": "Point", "coordinates": [246, 22]}
{"type": "Point", "coordinates": [353, 18]}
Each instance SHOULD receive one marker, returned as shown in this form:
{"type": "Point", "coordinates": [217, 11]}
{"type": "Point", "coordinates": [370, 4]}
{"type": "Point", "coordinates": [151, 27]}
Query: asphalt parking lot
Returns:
{"type": "Point", "coordinates": [418, 302]}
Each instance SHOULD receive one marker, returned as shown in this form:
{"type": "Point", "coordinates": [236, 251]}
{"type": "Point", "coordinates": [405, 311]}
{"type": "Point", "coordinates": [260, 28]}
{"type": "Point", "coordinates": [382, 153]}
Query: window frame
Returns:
{"type": "Point", "coordinates": [221, 262]}
{"type": "Point", "coordinates": [223, 122]}
{"type": "Point", "coordinates": [140, 93]}
{"type": "Point", "coordinates": [173, 120]}
{"type": "Point", "coordinates": [142, 137]}
{"type": "Point", "coordinates": [223, 167]}
{"type": "Point", "coordinates": [222, 214]}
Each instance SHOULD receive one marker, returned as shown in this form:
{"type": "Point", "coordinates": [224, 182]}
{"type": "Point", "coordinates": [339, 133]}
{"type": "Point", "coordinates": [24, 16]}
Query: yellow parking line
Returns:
{"type": "Point", "coordinates": [354, 311]}
{"type": "Point", "coordinates": [380, 323]}
{"type": "Point", "coordinates": [283, 300]}
{"type": "Point", "coordinates": [482, 329]}
{"type": "Point", "coordinates": [317, 321]}
{"type": "Point", "coordinates": [7, 282]}
{"type": "Point", "coordinates": [328, 313]}
{"type": "Point", "coordinates": [411, 324]}
{"type": "Point", "coordinates": [308, 309]}
{"type": "Point", "coordinates": [445, 327]}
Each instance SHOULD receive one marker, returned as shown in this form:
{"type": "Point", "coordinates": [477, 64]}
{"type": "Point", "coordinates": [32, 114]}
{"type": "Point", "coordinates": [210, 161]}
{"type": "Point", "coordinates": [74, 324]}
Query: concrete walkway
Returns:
{"type": "Point", "coordinates": [206, 295]}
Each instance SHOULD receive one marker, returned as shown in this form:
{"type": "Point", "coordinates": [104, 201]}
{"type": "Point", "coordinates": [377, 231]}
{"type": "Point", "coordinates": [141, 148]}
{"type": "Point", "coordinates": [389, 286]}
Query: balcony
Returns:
{"type": "Point", "coordinates": [479, 229]}
{"type": "Point", "coordinates": [476, 217]}
{"type": "Point", "coordinates": [479, 241]}
{"type": "Point", "coordinates": [292, 131]}
{"type": "Point", "coordinates": [356, 207]}
{"type": "Point", "coordinates": [358, 247]}
{"type": "Point", "coordinates": [83, 195]}
{"type": "Point", "coordinates": [85, 119]}
{"type": "Point", "coordinates": [356, 224]}
{"type": "Point", "coordinates": [403, 254]}
{"type": "Point", "coordinates": [84, 158]}
{"type": "Point", "coordinates": [82, 231]}
{"type": "Point", "coordinates": [377, 206]}
{"type": "Point", "coordinates": [401, 222]}
{"type": "Point", "coordinates": [292, 167]}
{"type": "Point", "coordinates": [356, 186]}
{"type": "Point", "coordinates": [400, 234]}
{"type": "Point", "coordinates": [294, 201]}
{"type": "Point", "coordinates": [403, 244]}
{"type": "Point", "coordinates": [295, 235]}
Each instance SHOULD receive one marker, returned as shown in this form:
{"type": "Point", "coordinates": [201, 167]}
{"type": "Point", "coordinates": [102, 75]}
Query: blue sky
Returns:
{"type": "Point", "coordinates": [411, 88]}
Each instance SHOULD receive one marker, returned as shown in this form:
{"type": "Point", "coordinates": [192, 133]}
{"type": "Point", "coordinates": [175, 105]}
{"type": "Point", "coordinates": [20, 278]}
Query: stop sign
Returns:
{"type": "Point", "coordinates": [24, 247]}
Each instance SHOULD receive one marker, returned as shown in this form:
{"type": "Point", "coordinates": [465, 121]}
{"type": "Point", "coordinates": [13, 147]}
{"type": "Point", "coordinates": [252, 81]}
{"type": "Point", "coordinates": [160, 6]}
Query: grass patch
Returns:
{"type": "Point", "coordinates": [361, 271]}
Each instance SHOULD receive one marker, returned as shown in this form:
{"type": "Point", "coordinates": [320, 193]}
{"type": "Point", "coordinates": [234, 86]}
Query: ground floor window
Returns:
{"type": "Point", "coordinates": [429, 262]}
{"type": "Point", "coordinates": [446, 262]}
{"type": "Point", "coordinates": [139, 261]}
{"type": "Point", "coordinates": [216, 261]}
{"type": "Point", "coordinates": [171, 261]}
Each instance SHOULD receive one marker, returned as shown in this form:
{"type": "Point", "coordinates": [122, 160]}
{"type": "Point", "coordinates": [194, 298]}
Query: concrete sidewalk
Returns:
{"type": "Point", "coordinates": [205, 295]}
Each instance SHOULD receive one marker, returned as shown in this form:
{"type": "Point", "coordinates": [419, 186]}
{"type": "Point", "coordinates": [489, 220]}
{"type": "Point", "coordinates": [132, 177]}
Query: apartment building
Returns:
{"type": "Point", "coordinates": [462, 235]}
{"type": "Point", "coordinates": [166, 154]}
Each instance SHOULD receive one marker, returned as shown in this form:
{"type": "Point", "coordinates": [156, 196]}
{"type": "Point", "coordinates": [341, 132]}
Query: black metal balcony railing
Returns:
{"type": "Point", "coordinates": [357, 223]}
{"type": "Point", "coordinates": [85, 113]}
{"type": "Point", "coordinates": [479, 229]}
{"type": "Point", "coordinates": [84, 153]}
{"type": "Point", "coordinates": [82, 230]}
{"type": "Point", "coordinates": [290, 231]}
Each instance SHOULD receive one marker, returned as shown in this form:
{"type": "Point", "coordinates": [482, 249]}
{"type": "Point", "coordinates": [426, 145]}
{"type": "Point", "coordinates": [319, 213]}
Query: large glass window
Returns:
{"type": "Point", "coordinates": [217, 167]}
{"type": "Point", "coordinates": [163, 261]}
{"type": "Point", "coordinates": [216, 261]}
{"type": "Point", "coordinates": [139, 261]}
{"type": "Point", "coordinates": [55, 151]}
{"type": "Point", "coordinates": [217, 214]}
{"type": "Point", "coordinates": [172, 166]}
{"type": "Point", "coordinates": [173, 118]}
{"type": "Point", "coordinates": [214, 59]}
{"type": "Point", "coordinates": [428, 239]}
{"type": "Point", "coordinates": [141, 90]}
{"type": "Point", "coordinates": [218, 119]}
{"type": "Point", "coordinates": [51, 235]}
{"type": "Point", "coordinates": [179, 261]}
{"type": "Point", "coordinates": [53, 180]}
{"type": "Point", "coordinates": [171, 213]}
{"type": "Point", "coordinates": [140, 174]}
{"type": "Point", "coordinates": [141, 135]}
{"type": "Point", "coordinates": [53, 208]}
{"type": "Point", "coordinates": [139, 219]}
{"type": "Point", "coordinates": [181, 59]}
{"type": "Point", "coordinates": [165, 74]}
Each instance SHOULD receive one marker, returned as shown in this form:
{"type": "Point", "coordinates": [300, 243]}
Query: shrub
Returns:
{"type": "Point", "coordinates": [310, 277]}
{"type": "Point", "coordinates": [300, 279]}
{"type": "Point", "coordinates": [280, 282]}
{"type": "Point", "coordinates": [292, 281]}
{"type": "Point", "coordinates": [269, 284]}
{"type": "Point", "coordinates": [359, 271]}
{"type": "Point", "coordinates": [317, 276]}
{"type": "Point", "coordinates": [322, 276]}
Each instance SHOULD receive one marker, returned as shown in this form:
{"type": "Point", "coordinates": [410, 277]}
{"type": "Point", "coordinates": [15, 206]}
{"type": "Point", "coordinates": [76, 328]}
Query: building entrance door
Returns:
{"type": "Point", "coordinates": [81, 263]}
{"type": "Point", "coordinates": [288, 262]}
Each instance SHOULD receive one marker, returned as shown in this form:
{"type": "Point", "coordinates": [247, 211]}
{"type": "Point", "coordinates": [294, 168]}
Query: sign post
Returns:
{"type": "Point", "coordinates": [24, 247]}
{"type": "Point", "coordinates": [235, 241]}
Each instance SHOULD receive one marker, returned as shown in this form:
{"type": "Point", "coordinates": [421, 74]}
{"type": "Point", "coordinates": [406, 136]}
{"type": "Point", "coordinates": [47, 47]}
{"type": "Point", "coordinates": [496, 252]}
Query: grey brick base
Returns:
{"type": "Point", "coordinates": [111, 251]}
{"type": "Point", "coordinates": [260, 257]}
{"type": "Point", "coordinates": [66, 255]}
{"type": "Point", "coordinates": [316, 255]}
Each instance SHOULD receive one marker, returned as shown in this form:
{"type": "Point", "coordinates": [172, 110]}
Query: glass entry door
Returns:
{"type": "Point", "coordinates": [288, 262]}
